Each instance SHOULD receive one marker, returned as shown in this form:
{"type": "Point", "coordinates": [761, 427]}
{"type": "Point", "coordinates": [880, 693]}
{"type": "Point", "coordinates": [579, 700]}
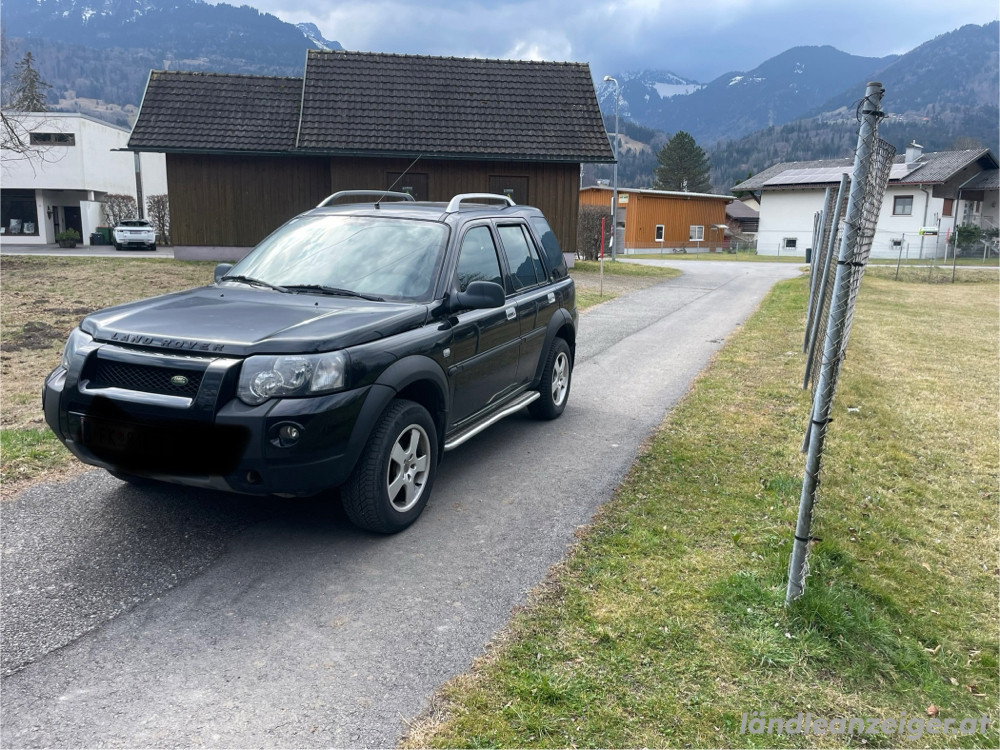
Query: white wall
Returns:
{"type": "Point", "coordinates": [787, 213]}
{"type": "Point", "coordinates": [67, 175]}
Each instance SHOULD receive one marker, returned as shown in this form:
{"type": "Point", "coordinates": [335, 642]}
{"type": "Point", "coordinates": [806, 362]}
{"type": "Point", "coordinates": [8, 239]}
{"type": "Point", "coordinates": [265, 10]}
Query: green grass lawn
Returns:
{"type": "Point", "coordinates": [972, 261]}
{"type": "Point", "coordinates": [751, 257]}
{"type": "Point", "coordinates": [667, 621]}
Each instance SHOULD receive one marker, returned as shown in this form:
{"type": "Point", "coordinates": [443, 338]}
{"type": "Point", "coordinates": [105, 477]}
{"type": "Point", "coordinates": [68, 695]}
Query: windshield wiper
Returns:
{"type": "Point", "coordinates": [253, 282]}
{"type": "Point", "coordinates": [333, 291]}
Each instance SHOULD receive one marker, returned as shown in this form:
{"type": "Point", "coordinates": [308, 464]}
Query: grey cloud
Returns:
{"type": "Point", "coordinates": [698, 40]}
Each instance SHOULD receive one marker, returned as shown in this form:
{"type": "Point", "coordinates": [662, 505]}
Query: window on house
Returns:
{"type": "Point", "coordinates": [791, 243]}
{"type": "Point", "coordinates": [949, 207]}
{"type": "Point", "coordinates": [696, 233]}
{"type": "Point", "coordinates": [902, 205]}
{"type": "Point", "coordinates": [18, 212]}
{"type": "Point", "coordinates": [659, 233]}
{"type": "Point", "coordinates": [53, 139]}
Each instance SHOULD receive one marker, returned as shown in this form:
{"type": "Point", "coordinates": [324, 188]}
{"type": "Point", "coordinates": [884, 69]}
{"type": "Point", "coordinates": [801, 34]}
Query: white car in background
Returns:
{"type": "Point", "coordinates": [134, 234]}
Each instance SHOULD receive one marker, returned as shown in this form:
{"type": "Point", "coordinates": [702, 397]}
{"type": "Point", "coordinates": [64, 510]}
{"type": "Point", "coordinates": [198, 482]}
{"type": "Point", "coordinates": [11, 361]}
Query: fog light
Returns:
{"type": "Point", "coordinates": [286, 435]}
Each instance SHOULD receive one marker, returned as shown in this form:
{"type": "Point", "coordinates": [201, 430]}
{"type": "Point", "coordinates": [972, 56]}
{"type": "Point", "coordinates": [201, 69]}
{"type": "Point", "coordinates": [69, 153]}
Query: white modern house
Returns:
{"type": "Point", "coordinates": [943, 189]}
{"type": "Point", "coordinates": [60, 185]}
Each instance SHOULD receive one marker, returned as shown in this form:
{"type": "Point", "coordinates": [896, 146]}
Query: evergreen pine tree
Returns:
{"type": "Point", "coordinates": [683, 165]}
{"type": "Point", "coordinates": [29, 88]}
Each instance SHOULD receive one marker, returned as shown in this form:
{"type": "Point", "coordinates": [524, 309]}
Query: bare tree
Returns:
{"type": "Point", "coordinates": [158, 212]}
{"type": "Point", "coordinates": [118, 207]}
{"type": "Point", "coordinates": [15, 138]}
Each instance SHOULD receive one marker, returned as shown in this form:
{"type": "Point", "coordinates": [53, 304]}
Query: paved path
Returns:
{"type": "Point", "coordinates": [175, 617]}
{"type": "Point", "coordinates": [83, 251]}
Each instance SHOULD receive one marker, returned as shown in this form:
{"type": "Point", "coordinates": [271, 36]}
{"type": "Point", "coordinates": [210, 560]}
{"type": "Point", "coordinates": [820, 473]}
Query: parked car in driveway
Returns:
{"type": "Point", "coordinates": [134, 234]}
{"type": "Point", "coordinates": [353, 346]}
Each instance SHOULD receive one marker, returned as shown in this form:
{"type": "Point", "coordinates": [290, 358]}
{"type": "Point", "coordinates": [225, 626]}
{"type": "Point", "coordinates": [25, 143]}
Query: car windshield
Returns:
{"type": "Point", "coordinates": [134, 223]}
{"type": "Point", "coordinates": [388, 258]}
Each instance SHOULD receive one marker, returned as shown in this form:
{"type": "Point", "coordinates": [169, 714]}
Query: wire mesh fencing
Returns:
{"type": "Point", "coordinates": [834, 314]}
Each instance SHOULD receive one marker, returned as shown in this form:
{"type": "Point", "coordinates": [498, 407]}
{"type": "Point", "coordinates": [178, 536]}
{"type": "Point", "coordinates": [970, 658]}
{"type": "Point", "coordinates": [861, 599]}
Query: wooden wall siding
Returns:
{"type": "Point", "coordinates": [552, 187]}
{"type": "Point", "coordinates": [236, 201]}
{"type": "Point", "coordinates": [677, 215]}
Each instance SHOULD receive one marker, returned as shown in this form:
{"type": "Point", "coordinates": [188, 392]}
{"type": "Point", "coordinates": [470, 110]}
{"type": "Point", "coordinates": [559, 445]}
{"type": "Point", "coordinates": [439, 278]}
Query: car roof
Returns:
{"type": "Point", "coordinates": [428, 211]}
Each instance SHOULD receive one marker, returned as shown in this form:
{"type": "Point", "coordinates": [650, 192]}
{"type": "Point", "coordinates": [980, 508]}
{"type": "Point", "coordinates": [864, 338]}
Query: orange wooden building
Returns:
{"type": "Point", "coordinates": [664, 218]}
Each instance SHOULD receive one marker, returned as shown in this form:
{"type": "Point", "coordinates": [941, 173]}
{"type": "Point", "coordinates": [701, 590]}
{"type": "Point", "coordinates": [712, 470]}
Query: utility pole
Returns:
{"type": "Point", "coordinates": [141, 214]}
{"type": "Point", "coordinates": [614, 191]}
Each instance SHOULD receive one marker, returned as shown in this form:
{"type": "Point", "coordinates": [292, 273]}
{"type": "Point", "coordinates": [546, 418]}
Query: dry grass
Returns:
{"type": "Point", "coordinates": [619, 279]}
{"type": "Point", "coordinates": [666, 623]}
{"type": "Point", "coordinates": [934, 274]}
{"type": "Point", "coordinates": [44, 298]}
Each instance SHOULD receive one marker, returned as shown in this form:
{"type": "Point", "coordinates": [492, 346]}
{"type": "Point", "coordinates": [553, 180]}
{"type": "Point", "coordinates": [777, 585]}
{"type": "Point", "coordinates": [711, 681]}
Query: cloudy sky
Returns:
{"type": "Point", "coordinates": [699, 39]}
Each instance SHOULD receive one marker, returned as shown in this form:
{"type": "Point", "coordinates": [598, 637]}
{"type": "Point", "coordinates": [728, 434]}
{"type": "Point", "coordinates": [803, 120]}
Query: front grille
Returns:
{"type": "Point", "coordinates": [145, 378]}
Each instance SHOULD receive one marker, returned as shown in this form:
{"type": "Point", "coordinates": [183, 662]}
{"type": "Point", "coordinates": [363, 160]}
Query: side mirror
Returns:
{"type": "Point", "coordinates": [480, 295]}
{"type": "Point", "coordinates": [221, 270]}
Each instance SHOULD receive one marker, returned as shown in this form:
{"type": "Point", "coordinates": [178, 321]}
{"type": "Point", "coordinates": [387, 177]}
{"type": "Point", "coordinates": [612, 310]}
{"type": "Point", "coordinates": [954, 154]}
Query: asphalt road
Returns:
{"type": "Point", "coordinates": [176, 617]}
{"type": "Point", "coordinates": [83, 251]}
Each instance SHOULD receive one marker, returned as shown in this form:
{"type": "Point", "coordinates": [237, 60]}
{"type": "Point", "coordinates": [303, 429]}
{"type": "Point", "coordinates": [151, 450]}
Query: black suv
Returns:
{"type": "Point", "coordinates": [352, 347]}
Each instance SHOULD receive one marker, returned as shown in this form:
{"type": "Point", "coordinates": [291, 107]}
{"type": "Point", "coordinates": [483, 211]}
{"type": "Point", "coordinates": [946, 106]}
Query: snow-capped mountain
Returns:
{"type": "Point", "coordinates": [313, 34]}
{"type": "Point", "coordinates": [777, 91]}
{"type": "Point", "coordinates": [642, 91]}
{"type": "Point", "coordinates": [104, 49]}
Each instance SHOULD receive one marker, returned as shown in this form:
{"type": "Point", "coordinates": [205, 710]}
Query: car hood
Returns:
{"type": "Point", "coordinates": [239, 321]}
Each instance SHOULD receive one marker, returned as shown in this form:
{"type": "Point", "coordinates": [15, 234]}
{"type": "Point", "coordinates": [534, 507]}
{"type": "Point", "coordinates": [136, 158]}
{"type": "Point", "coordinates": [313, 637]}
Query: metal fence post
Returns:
{"type": "Point", "coordinates": [850, 266]}
{"type": "Point", "coordinates": [819, 225]}
{"type": "Point", "coordinates": [823, 281]}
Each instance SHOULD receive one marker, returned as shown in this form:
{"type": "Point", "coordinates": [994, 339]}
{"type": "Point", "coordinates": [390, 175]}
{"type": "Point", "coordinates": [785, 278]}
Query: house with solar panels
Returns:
{"type": "Point", "coordinates": [942, 189]}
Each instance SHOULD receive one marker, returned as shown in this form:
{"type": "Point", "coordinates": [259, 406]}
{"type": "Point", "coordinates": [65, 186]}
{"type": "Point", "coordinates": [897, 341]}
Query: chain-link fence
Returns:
{"type": "Point", "coordinates": [872, 163]}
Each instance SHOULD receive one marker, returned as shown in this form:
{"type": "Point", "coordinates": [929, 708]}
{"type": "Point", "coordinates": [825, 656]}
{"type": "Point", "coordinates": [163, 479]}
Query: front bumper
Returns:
{"type": "Point", "coordinates": [216, 440]}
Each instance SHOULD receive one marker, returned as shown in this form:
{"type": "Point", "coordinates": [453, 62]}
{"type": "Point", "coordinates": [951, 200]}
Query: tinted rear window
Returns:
{"type": "Point", "coordinates": [550, 247]}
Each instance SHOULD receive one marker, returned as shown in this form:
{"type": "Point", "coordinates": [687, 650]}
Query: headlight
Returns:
{"type": "Point", "coordinates": [76, 339]}
{"type": "Point", "coordinates": [288, 376]}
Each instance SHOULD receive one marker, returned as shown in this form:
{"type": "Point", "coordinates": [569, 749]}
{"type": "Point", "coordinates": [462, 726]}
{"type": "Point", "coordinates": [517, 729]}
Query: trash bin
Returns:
{"type": "Point", "coordinates": [96, 238]}
{"type": "Point", "coordinates": [809, 255]}
{"type": "Point", "coordinates": [105, 232]}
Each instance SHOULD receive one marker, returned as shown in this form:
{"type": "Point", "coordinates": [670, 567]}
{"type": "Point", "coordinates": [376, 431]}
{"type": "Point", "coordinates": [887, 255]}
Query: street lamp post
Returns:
{"type": "Point", "coordinates": [614, 191]}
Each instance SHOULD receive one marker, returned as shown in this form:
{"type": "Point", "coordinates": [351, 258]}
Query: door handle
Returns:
{"type": "Point", "coordinates": [511, 313]}
{"type": "Point", "coordinates": [551, 298]}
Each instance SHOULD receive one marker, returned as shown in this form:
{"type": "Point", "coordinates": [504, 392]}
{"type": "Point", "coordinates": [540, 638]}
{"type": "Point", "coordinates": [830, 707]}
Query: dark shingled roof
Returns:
{"type": "Point", "coordinates": [740, 210]}
{"type": "Point", "coordinates": [217, 112]}
{"type": "Point", "coordinates": [933, 167]}
{"type": "Point", "coordinates": [448, 106]}
{"type": "Point", "coordinates": [383, 105]}
{"type": "Point", "coordinates": [986, 180]}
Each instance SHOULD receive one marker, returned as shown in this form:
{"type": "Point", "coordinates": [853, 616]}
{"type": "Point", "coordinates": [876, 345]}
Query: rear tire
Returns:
{"type": "Point", "coordinates": [118, 248]}
{"type": "Point", "coordinates": [556, 381]}
{"type": "Point", "coordinates": [152, 248]}
{"type": "Point", "coordinates": [390, 485]}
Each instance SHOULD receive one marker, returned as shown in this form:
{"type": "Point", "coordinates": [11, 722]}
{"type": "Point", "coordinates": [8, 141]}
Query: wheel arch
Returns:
{"type": "Point", "coordinates": [560, 326]}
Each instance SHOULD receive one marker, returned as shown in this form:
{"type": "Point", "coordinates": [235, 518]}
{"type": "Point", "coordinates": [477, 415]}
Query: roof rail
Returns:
{"type": "Point", "coordinates": [380, 194]}
{"type": "Point", "coordinates": [456, 203]}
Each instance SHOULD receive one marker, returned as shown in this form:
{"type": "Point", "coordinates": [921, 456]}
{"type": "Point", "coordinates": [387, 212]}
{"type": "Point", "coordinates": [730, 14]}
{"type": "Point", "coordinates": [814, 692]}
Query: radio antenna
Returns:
{"type": "Point", "coordinates": [397, 181]}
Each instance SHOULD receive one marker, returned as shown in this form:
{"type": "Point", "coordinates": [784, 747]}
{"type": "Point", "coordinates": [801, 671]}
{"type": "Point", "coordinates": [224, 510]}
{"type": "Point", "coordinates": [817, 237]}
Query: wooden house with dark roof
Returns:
{"type": "Point", "coordinates": [247, 153]}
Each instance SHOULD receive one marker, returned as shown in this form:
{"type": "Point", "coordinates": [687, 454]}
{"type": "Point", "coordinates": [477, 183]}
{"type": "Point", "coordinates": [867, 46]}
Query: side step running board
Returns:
{"type": "Point", "coordinates": [470, 432]}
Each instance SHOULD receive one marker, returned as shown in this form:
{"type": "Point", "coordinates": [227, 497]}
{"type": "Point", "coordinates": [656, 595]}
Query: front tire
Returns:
{"type": "Point", "coordinates": [390, 485]}
{"type": "Point", "coordinates": [556, 380]}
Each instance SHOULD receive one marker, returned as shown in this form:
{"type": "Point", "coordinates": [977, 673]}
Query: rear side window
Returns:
{"type": "Point", "coordinates": [525, 267]}
{"type": "Point", "coordinates": [550, 247]}
{"type": "Point", "coordinates": [477, 260]}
